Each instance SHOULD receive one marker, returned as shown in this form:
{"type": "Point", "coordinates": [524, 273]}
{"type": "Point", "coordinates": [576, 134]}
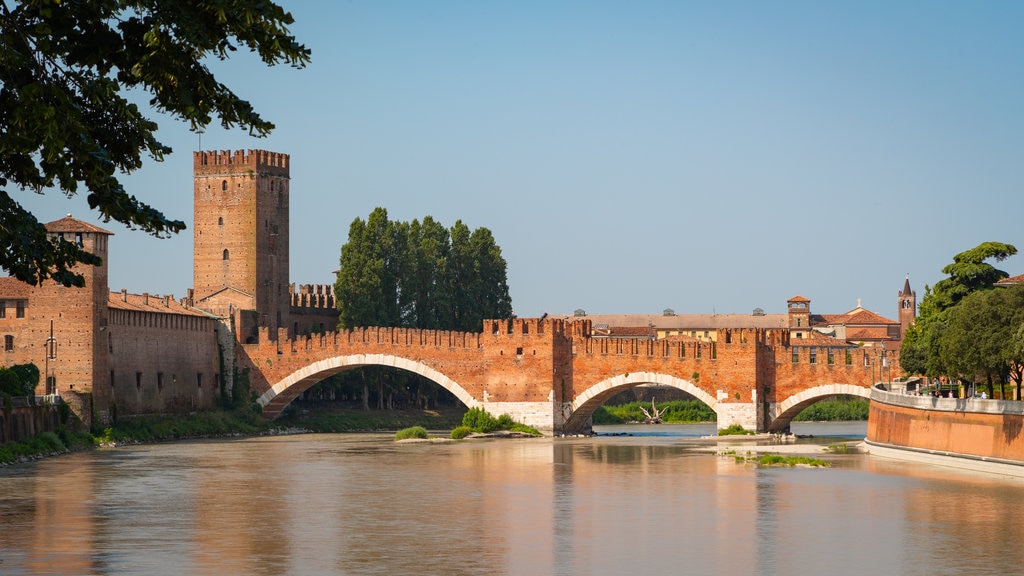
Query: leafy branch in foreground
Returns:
{"type": "Point", "coordinates": [65, 122]}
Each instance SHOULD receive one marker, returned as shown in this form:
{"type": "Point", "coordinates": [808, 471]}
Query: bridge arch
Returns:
{"type": "Point", "coordinates": [281, 393]}
{"type": "Point", "coordinates": [583, 406]}
{"type": "Point", "coordinates": [788, 409]}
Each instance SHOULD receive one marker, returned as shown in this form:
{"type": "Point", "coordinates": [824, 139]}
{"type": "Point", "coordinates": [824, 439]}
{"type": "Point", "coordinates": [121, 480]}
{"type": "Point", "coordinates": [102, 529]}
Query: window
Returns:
{"type": "Point", "coordinates": [224, 185]}
{"type": "Point", "coordinates": [138, 380]}
{"type": "Point", "coordinates": [796, 355]}
{"type": "Point", "coordinates": [814, 355]}
{"type": "Point", "coordinates": [220, 221]}
{"type": "Point", "coordinates": [831, 357]}
{"type": "Point", "coordinates": [3, 309]}
{"type": "Point", "coordinates": [20, 313]}
{"type": "Point", "coordinates": [159, 381]}
{"type": "Point", "coordinates": [78, 239]}
{"type": "Point", "coordinates": [8, 343]}
{"type": "Point", "coordinates": [199, 380]}
{"type": "Point", "coordinates": [226, 254]}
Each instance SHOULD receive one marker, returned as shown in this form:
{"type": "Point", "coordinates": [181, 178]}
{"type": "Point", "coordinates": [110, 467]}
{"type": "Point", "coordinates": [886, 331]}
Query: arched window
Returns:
{"type": "Point", "coordinates": [226, 254]}
{"type": "Point", "coordinates": [224, 185]}
{"type": "Point", "coordinates": [220, 221]}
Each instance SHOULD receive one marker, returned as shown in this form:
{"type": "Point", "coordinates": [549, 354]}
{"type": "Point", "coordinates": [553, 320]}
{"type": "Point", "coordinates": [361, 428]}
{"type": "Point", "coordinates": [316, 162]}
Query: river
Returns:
{"type": "Point", "coordinates": [647, 503]}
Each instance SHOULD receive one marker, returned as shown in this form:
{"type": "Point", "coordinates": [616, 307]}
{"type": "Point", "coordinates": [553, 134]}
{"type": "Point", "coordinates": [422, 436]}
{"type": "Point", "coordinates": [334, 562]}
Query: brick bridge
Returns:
{"type": "Point", "coordinates": [552, 374]}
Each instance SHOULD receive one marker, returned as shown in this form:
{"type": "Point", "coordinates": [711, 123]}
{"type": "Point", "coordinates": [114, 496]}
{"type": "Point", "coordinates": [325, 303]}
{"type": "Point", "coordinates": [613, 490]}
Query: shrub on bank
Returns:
{"type": "Point", "coordinates": [411, 432]}
{"type": "Point", "coordinates": [481, 421]}
{"type": "Point", "coordinates": [461, 432]}
{"type": "Point", "coordinates": [734, 430]}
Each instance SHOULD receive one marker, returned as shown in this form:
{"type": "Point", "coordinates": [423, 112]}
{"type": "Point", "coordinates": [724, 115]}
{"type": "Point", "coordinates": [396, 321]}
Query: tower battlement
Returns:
{"type": "Point", "coordinates": [211, 162]}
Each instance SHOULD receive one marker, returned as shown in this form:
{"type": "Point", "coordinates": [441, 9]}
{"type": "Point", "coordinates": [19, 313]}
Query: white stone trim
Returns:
{"type": "Point", "coordinates": [312, 372]}
{"type": "Point", "coordinates": [634, 378]}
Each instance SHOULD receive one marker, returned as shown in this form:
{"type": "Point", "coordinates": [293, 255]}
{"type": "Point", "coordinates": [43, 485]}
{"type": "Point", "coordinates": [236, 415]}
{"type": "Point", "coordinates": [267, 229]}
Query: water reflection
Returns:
{"type": "Point", "coordinates": [362, 504]}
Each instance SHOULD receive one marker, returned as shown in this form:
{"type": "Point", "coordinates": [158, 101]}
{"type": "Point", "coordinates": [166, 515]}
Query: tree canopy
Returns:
{"type": "Point", "coordinates": [967, 328]}
{"type": "Point", "coordinates": [420, 275]}
{"type": "Point", "coordinates": [66, 67]}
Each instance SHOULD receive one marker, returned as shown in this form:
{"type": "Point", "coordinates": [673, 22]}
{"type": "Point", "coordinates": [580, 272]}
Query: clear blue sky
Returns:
{"type": "Point", "coordinates": [636, 156]}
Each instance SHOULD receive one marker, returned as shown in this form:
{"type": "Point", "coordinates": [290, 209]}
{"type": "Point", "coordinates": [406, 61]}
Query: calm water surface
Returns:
{"type": "Point", "coordinates": [362, 504]}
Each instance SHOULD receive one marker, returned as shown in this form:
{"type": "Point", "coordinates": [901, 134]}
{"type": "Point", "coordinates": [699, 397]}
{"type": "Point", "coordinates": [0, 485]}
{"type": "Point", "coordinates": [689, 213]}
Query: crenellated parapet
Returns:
{"type": "Point", "coordinates": [212, 162]}
{"type": "Point", "coordinates": [312, 296]}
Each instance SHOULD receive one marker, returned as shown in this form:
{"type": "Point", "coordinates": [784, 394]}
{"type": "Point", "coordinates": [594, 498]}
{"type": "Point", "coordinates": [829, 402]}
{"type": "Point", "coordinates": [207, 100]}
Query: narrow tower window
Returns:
{"type": "Point", "coordinates": [220, 221]}
{"type": "Point", "coordinates": [224, 185]}
{"type": "Point", "coordinates": [226, 254]}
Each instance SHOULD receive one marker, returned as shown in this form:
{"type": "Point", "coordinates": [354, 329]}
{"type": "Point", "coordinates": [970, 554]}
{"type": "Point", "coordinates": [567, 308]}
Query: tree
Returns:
{"type": "Point", "coordinates": [420, 275]}
{"type": "Point", "coordinates": [921, 351]}
{"type": "Point", "coordinates": [968, 273]}
{"type": "Point", "coordinates": [65, 122]}
{"type": "Point", "coordinates": [979, 338]}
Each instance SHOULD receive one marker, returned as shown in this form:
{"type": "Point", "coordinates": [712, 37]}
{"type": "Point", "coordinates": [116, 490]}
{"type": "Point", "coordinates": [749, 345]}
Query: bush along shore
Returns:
{"type": "Point", "coordinates": [247, 422]}
{"type": "Point", "coordinates": [476, 423]}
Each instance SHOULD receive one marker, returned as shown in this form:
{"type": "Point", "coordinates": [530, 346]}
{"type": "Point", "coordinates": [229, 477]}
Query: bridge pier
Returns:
{"type": "Point", "coordinates": [540, 415]}
{"type": "Point", "coordinates": [743, 413]}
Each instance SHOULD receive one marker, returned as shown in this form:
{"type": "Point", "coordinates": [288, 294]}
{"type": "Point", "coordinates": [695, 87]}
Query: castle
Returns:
{"type": "Point", "coordinates": [111, 354]}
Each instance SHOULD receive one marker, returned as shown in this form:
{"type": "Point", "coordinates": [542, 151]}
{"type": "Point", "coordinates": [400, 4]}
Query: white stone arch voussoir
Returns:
{"type": "Point", "coordinates": [314, 373]}
{"type": "Point", "coordinates": [799, 401]}
{"type": "Point", "coordinates": [636, 378]}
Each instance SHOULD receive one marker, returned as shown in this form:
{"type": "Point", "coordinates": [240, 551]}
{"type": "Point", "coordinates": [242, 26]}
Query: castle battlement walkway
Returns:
{"type": "Point", "coordinates": [553, 373]}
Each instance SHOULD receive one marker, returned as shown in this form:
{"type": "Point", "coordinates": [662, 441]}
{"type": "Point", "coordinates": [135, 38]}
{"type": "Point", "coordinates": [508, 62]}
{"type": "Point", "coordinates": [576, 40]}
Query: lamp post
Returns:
{"type": "Point", "coordinates": [50, 346]}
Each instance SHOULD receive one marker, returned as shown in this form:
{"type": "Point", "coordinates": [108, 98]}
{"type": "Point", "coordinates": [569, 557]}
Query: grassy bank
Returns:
{"type": "Point", "coordinates": [358, 420]}
{"type": "Point", "coordinates": [672, 412]}
{"type": "Point", "coordinates": [839, 410]}
{"type": "Point", "coordinates": [223, 423]}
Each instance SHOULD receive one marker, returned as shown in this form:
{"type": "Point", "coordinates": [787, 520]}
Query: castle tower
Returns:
{"type": "Point", "coordinates": [78, 355]}
{"type": "Point", "coordinates": [799, 316]}
{"type": "Point", "coordinates": [907, 300]}
{"type": "Point", "coordinates": [241, 235]}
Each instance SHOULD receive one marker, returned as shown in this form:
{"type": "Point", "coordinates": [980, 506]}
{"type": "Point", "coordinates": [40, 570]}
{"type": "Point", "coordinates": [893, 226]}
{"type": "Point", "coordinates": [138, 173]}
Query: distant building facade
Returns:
{"type": "Point", "coordinates": [113, 354]}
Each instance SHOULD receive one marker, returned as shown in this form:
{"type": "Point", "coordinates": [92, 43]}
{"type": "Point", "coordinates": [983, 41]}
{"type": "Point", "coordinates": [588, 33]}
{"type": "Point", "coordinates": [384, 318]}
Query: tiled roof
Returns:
{"type": "Point", "coordinates": [815, 338]}
{"type": "Point", "coordinates": [684, 321]}
{"type": "Point", "coordinates": [138, 303]}
{"type": "Point", "coordinates": [798, 299]}
{"type": "Point", "coordinates": [871, 333]}
{"type": "Point", "coordinates": [862, 316]}
{"type": "Point", "coordinates": [12, 288]}
{"type": "Point", "coordinates": [1011, 281]}
{"type": "Point", "coordinates": [71, 224]}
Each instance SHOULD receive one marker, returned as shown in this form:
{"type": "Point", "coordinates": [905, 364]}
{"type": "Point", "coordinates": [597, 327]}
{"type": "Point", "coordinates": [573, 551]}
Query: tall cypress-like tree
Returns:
{"type": "Point", "coordinates": [420, 275]}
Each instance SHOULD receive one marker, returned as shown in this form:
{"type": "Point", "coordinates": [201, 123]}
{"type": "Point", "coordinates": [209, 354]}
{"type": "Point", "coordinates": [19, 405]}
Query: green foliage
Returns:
{"type": "Point", "coordinates": [460, 432]}
{"type": "Point", "coordinates": [842, 409]}
{"type": "Point", "coordinates": [65, 121]}
{"type": "Point", "coordinates": [28, 374]}
{"type": "Point", "coordinates": [979, 340]}
{"type": "Point", "coordinates": [349, 420]}
{"type": "Point", "coordinates": [672, 412]}
{"type": "Point", "coordinates": [411, 432]}
{"type": "Point", "coordinates": [199, 425]}
{"type": "Point", "coordinates": [779, 460]}
{"type": "Point", "coordinates": [10, 384]}
{"type": "Point", "coordinates": [968, 273]}
{"type": "Point", "coordinates": [734, 430]}
{"type": "Point", "coordinates": [420, 275]}
{"type": "Point", "coordinates": [481, 421]}
{"type": "Point", "coordinates": [924, 349]}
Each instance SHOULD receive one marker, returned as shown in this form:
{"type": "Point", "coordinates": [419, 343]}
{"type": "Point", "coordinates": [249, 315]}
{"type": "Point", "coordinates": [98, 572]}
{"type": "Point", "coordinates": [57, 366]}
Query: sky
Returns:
{"type": "Point", "coordinates": [708, 157]}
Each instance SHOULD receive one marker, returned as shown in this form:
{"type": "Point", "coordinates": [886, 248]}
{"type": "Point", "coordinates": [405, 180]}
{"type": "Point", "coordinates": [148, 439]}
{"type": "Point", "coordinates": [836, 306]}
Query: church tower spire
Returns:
{"type": "Point", "coordinates": [907, 300]}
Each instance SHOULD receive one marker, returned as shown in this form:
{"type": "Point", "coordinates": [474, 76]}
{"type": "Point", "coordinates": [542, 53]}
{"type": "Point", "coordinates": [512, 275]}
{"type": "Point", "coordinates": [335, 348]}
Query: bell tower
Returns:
{"type": "Point", "coordinates": [907, 300]}
{"type": "Point", "coordinates": [240, 259]}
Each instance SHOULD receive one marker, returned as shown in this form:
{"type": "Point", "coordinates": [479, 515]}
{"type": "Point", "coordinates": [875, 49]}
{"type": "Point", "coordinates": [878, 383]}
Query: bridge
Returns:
{"type": "Point", "coordinates": [553, 373]}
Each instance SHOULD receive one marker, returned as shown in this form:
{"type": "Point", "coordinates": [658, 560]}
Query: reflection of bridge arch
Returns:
{"type": "Point", "coordinates": [790, 407]}
{"type": "Point", "coordinates": [585, 403]}
{"type": "Point", "coordinates": [288, 388]}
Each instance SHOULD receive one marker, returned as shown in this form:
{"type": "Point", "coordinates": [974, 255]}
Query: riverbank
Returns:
{"type": "Point", "coordinates": [224, 424]}
{"type": "Point", "coordinates": [968, 433]}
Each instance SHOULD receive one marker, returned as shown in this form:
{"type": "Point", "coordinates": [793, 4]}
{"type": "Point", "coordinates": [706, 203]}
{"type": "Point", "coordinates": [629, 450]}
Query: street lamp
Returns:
{"type": "Point", "coordinates": [50, 345]}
